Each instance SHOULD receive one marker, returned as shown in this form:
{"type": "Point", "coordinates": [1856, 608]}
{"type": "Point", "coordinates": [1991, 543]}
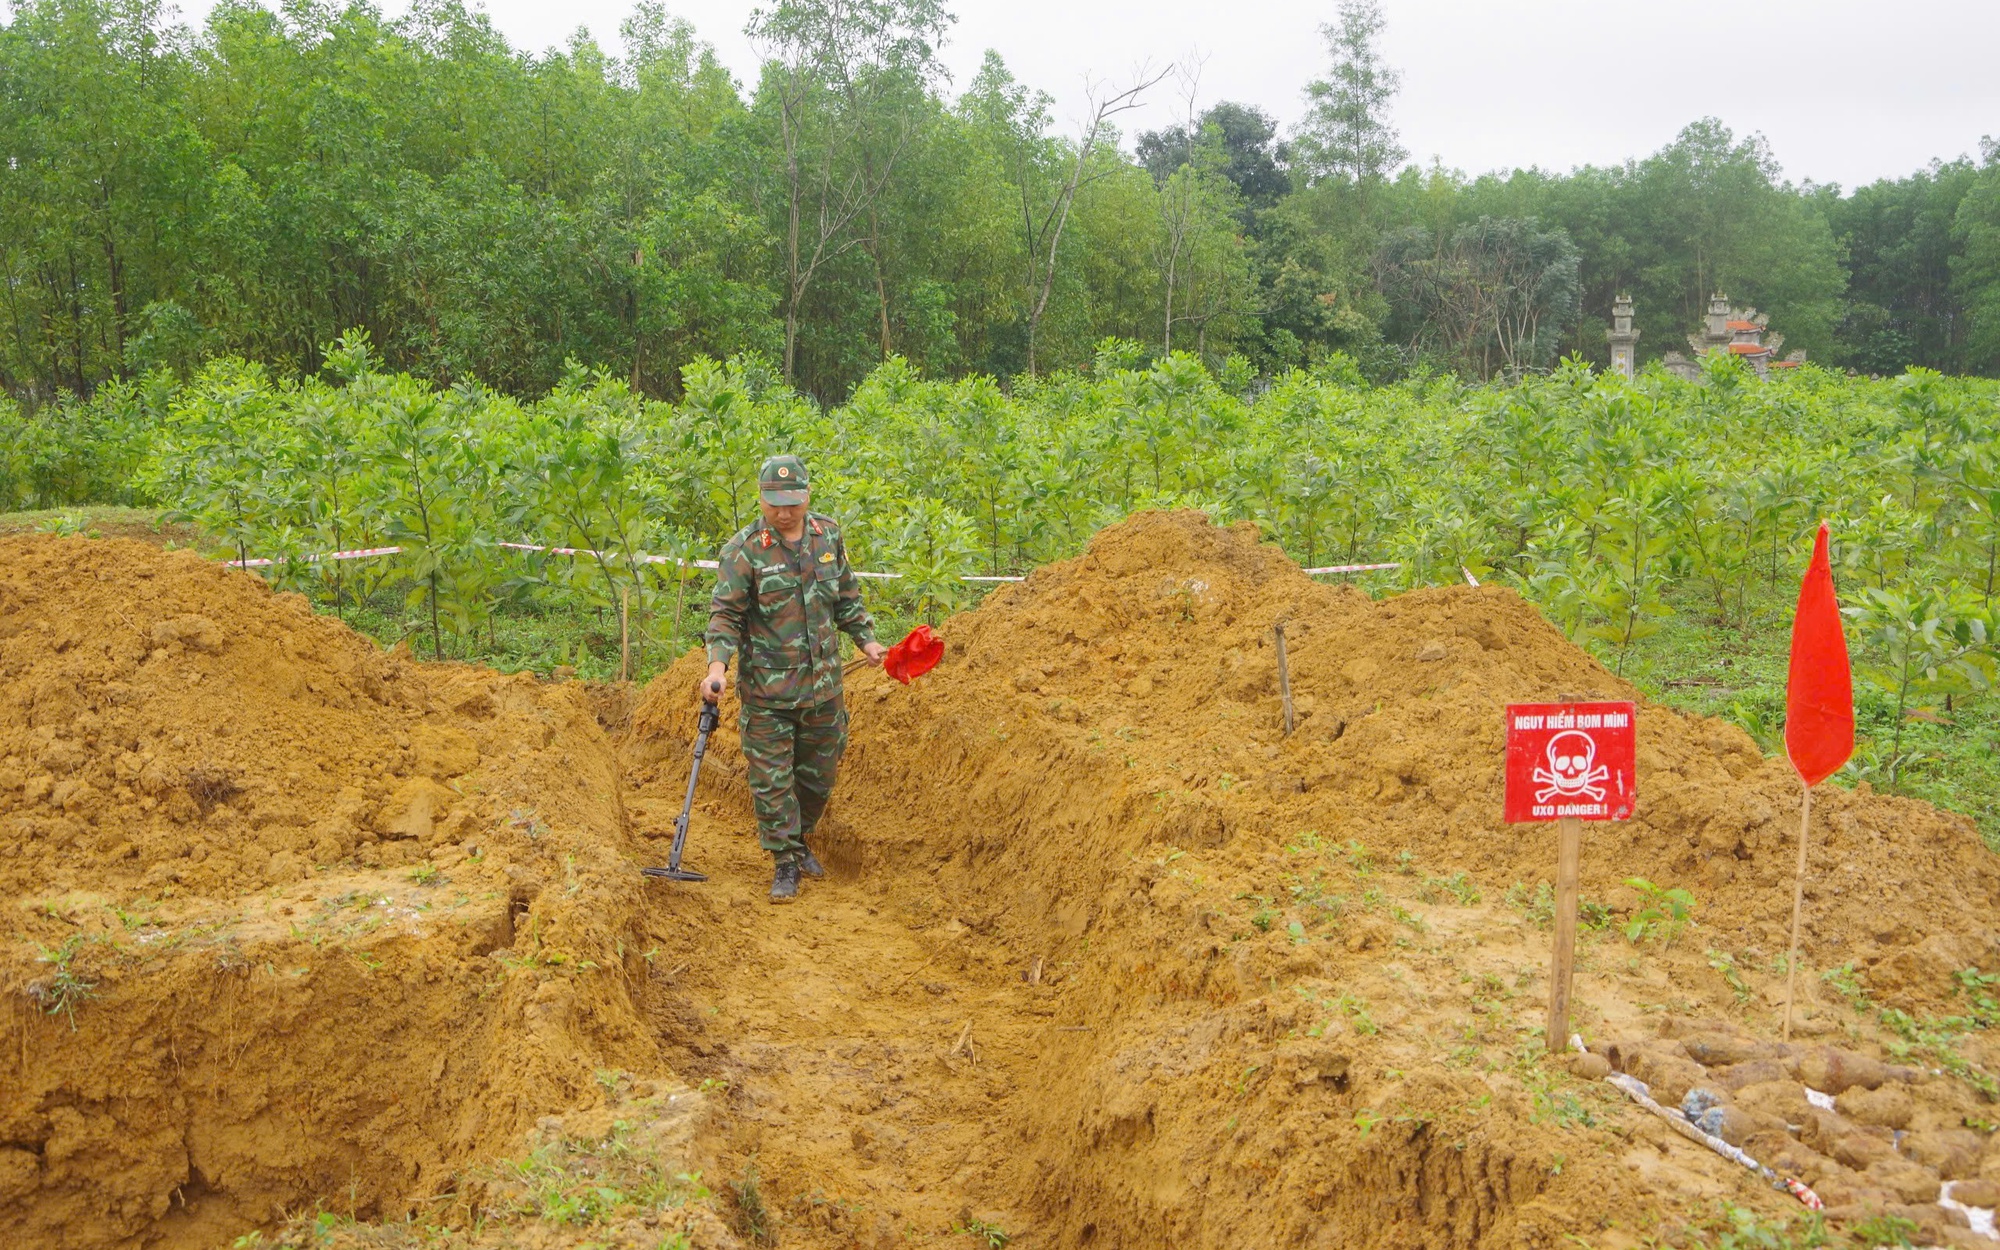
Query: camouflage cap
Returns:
{"type": "Point", "coordinates": [782, 481]}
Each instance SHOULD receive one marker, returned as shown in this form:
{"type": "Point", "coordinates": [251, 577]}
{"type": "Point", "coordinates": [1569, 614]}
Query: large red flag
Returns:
{"type": "Point", "coordinates": [1819, 694]}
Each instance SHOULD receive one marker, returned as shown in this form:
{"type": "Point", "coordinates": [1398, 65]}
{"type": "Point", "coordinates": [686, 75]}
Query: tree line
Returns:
{"type": "Point", "coordinates": [261, 185]}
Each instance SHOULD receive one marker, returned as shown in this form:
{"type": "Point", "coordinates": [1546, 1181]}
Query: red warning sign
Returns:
{"type": "Point", "coordinates": [1570, 759]}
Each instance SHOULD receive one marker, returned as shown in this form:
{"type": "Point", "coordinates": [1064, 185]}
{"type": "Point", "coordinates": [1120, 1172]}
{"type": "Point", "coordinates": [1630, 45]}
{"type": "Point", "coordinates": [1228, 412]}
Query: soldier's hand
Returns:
{"type": "Point", "coordinates": [874, 651]}
{"type": "Point", "coordinates": [711, 685]}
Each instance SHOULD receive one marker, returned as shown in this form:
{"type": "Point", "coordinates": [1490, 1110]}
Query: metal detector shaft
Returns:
{"type": "Point", "coordinates": [710, 718]}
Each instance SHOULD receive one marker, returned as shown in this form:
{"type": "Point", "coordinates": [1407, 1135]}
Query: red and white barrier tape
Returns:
{"type": "Point", "coordinates": [366, 552]}
{"type": "Point", "coordinates": [362, 554]}
{"type": "Point", "coordinates": [585, 551]}
{"type": "Point", "coordinates": [265, 563]}
{"type": "Point", "coordinates": [1354, 568]}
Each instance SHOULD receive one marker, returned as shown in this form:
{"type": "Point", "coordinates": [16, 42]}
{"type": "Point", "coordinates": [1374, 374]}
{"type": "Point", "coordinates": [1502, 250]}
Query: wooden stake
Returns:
{"type": "Point", "coordinates": [1284, 677]}
{"type": "Point", "coordinates": [1569, 863]}
{"type": "Point", "coordinates": [624, 633]}
{"type": "Point", "coordinates": [1798, 907]}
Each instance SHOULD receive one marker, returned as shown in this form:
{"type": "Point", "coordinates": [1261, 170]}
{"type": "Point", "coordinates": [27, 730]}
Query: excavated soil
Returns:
{"type": "Point", "coordinates": [346, 922]}
{"type": "Point", "coordinates": [1104, 958]}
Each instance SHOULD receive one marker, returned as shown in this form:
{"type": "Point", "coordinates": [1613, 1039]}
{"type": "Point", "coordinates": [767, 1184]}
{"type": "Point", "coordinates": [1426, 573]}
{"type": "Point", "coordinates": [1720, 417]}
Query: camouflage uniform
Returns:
{"type": "Point", "coordinates": [778, 608]}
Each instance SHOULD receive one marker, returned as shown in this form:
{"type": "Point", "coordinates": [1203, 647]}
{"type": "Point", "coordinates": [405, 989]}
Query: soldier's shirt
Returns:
{"type": "Point", "coordinates": [779, 610]}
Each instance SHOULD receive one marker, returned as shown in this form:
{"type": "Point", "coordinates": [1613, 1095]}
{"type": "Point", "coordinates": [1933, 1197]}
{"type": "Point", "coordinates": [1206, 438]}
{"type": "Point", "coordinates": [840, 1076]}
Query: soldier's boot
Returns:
{"type": "Point", "coordinates": [811, 866]}
{"type": "Point", "coordinates": [785, 881]}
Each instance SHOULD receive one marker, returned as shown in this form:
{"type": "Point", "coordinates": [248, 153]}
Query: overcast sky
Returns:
{"type": "Point", "coordinates": [1846, 91]}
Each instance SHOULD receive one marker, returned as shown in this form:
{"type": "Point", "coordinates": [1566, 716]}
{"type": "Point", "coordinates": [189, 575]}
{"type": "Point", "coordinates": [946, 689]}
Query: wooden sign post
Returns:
{"type": "Point", "coordinates": [1569, 762]}
{"type": "Point", "coordinates": [1569, 866]}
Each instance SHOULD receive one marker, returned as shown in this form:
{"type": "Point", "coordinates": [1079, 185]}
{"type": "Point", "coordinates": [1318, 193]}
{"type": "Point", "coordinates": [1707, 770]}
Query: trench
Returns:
{"type": "Point", "coordinates": [898, 1057]}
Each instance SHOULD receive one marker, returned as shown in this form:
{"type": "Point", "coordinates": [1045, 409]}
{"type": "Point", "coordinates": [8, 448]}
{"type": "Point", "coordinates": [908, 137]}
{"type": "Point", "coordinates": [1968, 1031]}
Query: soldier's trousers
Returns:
{"type": "Point", "coordinates": [791, 756]}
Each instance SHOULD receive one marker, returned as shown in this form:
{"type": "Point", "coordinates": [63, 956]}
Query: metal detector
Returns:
{"type": "Point", "coordinates": [710, 718]}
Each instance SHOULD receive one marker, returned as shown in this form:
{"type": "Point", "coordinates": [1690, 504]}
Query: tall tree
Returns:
{"type": "Point", "coordinates": [1346, 130]}
{"type": "Point", "coordinates": [1240, 136]}
{"type": "Point", "coordinates": [843, 78]}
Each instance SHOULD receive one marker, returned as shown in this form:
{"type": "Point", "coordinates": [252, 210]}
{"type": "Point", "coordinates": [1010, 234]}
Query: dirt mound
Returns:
{"type": "Point", "coordinates": [1241, 987]}
{"type": "Point", "coordinates": [1147, 670]}
{"type": "Point", "coordinates": [289, 918]}
{"type": "Point", "coordinates": [165, 722]}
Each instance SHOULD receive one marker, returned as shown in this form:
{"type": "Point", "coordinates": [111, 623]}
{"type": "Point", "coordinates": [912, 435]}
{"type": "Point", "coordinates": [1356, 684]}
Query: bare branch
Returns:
{"type": "Point", "coordinates": [1105, 103]}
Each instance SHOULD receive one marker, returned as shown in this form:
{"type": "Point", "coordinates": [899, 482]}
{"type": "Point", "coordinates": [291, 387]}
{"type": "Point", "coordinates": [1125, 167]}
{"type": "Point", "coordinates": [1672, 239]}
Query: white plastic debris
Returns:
{"type": "Point", "coordinates": [1981, 1218]}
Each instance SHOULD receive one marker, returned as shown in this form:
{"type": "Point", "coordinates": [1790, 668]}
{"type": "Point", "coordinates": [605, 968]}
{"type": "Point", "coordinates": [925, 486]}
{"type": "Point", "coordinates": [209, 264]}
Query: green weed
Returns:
{"type": "Point", "coordinates": [1310, 893]}
{"type": "Point", "coordinates": [1934, 1038]}
{"type": "Point", "coordinates": [68, 524]}
{"type": "Point", "coordinates": [1307, 843]}
{"type": "Point", "coordinates": [1662, 912]}
{"type": "Point", "coordinates": [1738, 1228]}
{"type": "Point", "coordinates": [753, 1219]}
{"type": "Point", "coordinates": [1976, 987]}
{"type": "Point", "coordinates": [985, 1233]}
{"type": "Point", "coordinates": [1846, 983]}
{"type": "Point", "coordinates": [1537, 906]}
{"type": "Point", "coordinates": [65, 987]}
{"type": "Point", "coordinates": [1725, 963]}
{"type": "Point", "coordinates": [1355, 1009]}
{"type": "Point", "coordinates": [1552, 1104]}
{"type": "Point", "coordinates": [1884, 1230]}
{"type": "Point", "coordinates": [1457, 885]}
{"type": "Point", "coordinates": [528, 821]}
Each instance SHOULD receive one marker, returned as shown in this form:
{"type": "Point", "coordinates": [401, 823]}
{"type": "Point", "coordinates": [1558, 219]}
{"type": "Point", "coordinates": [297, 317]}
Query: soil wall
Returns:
{"type": "Point", "coordinates": [292, 921]}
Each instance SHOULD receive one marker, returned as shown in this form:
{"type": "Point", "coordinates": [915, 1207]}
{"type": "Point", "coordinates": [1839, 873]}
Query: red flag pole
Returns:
{"type": "Point", "coordinates": [1819, 718]}
{"type": "Point", "coordinates": [1798, 903]}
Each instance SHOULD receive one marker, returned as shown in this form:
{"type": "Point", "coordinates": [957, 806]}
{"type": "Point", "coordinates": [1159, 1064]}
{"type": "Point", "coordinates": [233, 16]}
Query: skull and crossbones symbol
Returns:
{"type": "Point", "coordinates": [1570, 772]}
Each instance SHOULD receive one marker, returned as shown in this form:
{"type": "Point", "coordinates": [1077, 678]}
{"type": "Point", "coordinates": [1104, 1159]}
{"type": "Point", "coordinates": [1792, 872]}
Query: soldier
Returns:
{"type": "Point", "coordinates": [781, 593]}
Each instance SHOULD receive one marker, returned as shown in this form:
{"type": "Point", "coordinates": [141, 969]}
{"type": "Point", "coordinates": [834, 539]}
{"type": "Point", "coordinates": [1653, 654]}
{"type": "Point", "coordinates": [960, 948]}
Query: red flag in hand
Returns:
{"type": "Point", "coordinates": [1819, 694]}
{"type": "Point", "coordinates": [916, 655]}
